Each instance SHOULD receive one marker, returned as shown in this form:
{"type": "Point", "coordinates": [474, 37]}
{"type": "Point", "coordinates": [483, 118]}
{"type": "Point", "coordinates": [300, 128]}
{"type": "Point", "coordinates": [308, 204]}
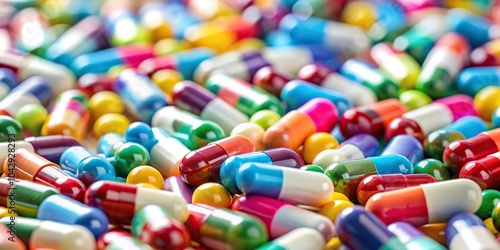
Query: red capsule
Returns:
{"type": "Point", "coordinates": [485, 171]}
{"type": "Point", "coordinates": [271, 80]}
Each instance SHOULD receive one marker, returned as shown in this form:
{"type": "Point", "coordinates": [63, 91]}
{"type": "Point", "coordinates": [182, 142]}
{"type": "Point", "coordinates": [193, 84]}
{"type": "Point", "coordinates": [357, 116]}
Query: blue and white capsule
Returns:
{"type": "Point", "coordinates": [8, 81]}
{"type": "Point", "coordinates": [286, 184]}
{"type": "Point", "coordinates": [142, 97]}
{"type": "Point", "coordinates": [467, 231]}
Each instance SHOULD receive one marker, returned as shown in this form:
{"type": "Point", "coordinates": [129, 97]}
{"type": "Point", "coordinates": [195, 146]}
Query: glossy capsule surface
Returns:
{"type": "Point", "coordinates": [406, 146]}
{"type": "Point", "coordinates": [483, 171]}
{"type": "Point", "coordinates": [317, 115]}
{"type": "Point", "coordinates": [413, 238]}
{"type": "Point", "coordinates": [282, 184]}
{"type": "Point", "coordinates": [466, 230]}
{"type": "Point", "coordinates": [203, 165]}
{"type": "Point", "coordinates": [472, 80]}
{"type": "Point", "coordinates": [277, 156]}
{"type": "Point", "coordinates": [300, 238]}
{"type": "Point", "coordinates": [427, 203]}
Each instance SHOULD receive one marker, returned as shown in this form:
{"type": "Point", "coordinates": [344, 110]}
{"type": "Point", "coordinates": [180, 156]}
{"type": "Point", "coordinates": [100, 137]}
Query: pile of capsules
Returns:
{"type": "Point", "coordinates": [249, 124]}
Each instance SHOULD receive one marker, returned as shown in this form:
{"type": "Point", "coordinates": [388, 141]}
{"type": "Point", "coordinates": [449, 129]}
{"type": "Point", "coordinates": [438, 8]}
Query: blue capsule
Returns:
{"type": "Point", "coordinates": [8, 81]}
{"type": "Point", "coordinates": [467, 231]}
{"type": "Point", "coordinates": [468, 126]}
{"type": "Point", "coordinates": [278, 156]}
{"type": "Point", "coordinates": [63, 209]}
{"type": "Point", "coordinates": [359, 229]}
{"type": "Point", "coordinates": [472, 80]}
{"type": "Point", "coordinates": [85, 166]}
{"type": "Point", "coordinates": [475, 28]}
{"type": "Point", "coordinates": [37, 87]}
{"type": "Point", "coordinates": [407, 146]}
{"type": "Point", "coordinates": [107, 144]}
{"type": "Point", "coordinates": [140, 95]}
{"type": "Point", "coordinates": [296, 93]}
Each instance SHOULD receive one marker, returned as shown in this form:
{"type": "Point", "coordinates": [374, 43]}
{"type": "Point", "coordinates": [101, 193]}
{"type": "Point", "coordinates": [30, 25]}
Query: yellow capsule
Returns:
{"type": "Point", "coordinates": [435, 232]}
{"type": "Point", "coordinates": [212, 194]}
{"type": "Point", "coordinates": [248, 44]}
{"type": "Point", "coordinates": [147, 185]}
{"type": "Point", "coordinates": [339, 196]}
{"type": "Point", "coordinates": [486, 101]}
{"type": "Point", "coordinates": [169, 46]}
{"type": "Point", "coordinates": [145, 174]}
{"type": "Point", "coordinates": [489, 224]}
{"type": "Point", "coordinates": [165, 79]}
{"type": "Point", "coordinates": [359, 13]}
{"type": "Point", "coordinates": [316, 143]}
{"type": "Point", "coordinates": [253, 132]}
{"type": "Point", "coordinates": [333, 208]}
{"type": "Point", "coordinates": [6, 212]}
{"type": "Point", "coordinates": [110, 123]}
{"type": "Point", "coordinates": [210, 35]}
{"type": "Point", "coordinates": [155, 24]}
{"type": "Point", "coordinates": [333, 244]}
{"type": "Point", "coordinates": [265, 118]}
{"type": "Point", "coordinates": [105, 102]}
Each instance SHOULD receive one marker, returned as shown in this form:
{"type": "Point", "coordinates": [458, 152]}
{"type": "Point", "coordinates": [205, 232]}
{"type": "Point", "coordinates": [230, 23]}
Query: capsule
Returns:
{"type": "Point", "coordinates": [108, 143]}
{"type": "Point", "coordinates": [360, 229]}
{"type": "Point", "coordinates": [9, 239]}
{"type": "Point", "coordinates": [471, 80]}
{"type": "Point", "coordinates": [281, 217]}
{"type": "Point", "coordinates": [468, 126]}
{"type": "Point", "coordinates": [23, 197]}
{"type": "Point", "coordinates": [63, 209]}
{"type": "Point", "coordinates": [121, 209]}
{"type": "Point", "coordinates": [165, 151]}
{"type": "Point", "coordinates": [421, 121]}
{"type": "Point", "coordinates": [349, 39]}
{"type": "Point", "coordinates": [34, 90]}
{"type": "Point", "coordinates": [419, 39]}
{"type": "Point", "coordinates": [297, 93]}
{"type": "Point", "coordinates": [375, 184]}
{"type": "Point", "coordinates": [287, 59]}
{"type": "Point", "coordinates": [120, 239]}
{"type": "Point", "coordinates": [88, 35]}
{"type": "Point", "coordinates": [357, 147]}
{"type": "Point", "coordinates": [176, 185]}
{"type": "Point", "coordinates": [372, 119]}
{"type": "Point", "coordinates": [369, 76]}
{"type": "Point", "coordinates": [271, 80]}
{"type": "Point", "coordinates": [155, 227]}
{"type": "Point", "coordinates": [50, 147]}
{"type": "Point", "coordinates": [324, 77]}
{"type": "Point", "coordinates": [486, 101]}
{"type": "Point", "coordinates": [235, 230]}
{"type": "Point", "coordinates": [459, 153]}
{"type": "Point", "coordinates": [280, 183]}
{"type": "Point", "coordinates": [32, 31]}
{"type": "Point", "coordinates": [483, 171]}
{"type": "Point", "coordinates": [46, 234]}
{"type": "Point", "coordinates": [180, 16]}
{"type": "Point", "coordinates": [32, 167]}
{"type": "Point", "coordinates": [413, 238]}
{"type": "Point", "coordinates": [185, 62]}
{"type": "Point", "coordinates": [486, 55]}
{"type": "Point", "coordinates": [8, 81]}
{"type": "Point", "coordinates": [347, 175]}
{"type": "Point", "coordinates": [59, 77]}
{"type": "Point", "coordinates": [317, 115]}
{"type": "Point", "coordinates": [199, 101]}
{"type": "Point", "coordinates": [203, 165]}
{"type": "Point", "coordinates": [300, 238]}
{"type": "Point", "coordinates": [406, 146]}
{"type": "Point", "coordinates": [473, 27]}
{"type": "Point", "coordinates": [467, 231]}
{"type": "Point", "coordinates": [123, 27]}
{"type": "Point", "coordinates": [220, 33]}
{"type": "Point", "coordinates": [92, 83]}
{"type": "Point", "coordinates": [241, 95]}
{"type": "Point", "coordinates": [186, 127]}
{"type": "Point", "coordinates": [140, 95]}
{"type": "Point", "coordinates": [277, 156]}
{"type": "Point", "coordinates": [101, 61]}
{"type": "Point", "coordinates": [427, 203]}
{"type": "Point", "coordinates": [442, 65]}
{"type": "Point", "coordinates": [86, 166]}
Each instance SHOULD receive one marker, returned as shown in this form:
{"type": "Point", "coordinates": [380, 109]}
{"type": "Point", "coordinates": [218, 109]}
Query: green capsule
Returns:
{"type": "Point", "coordinates": [432, 167]}
{"type": "Point", "coordinates": [414, 99]}
{"type": "Point", "coordinates": [437, 141]}
{"type": "Point", "coordinates": [129, 156]}
{"type": "Point", "coordinates": [10, 129]}
{"type": "Point", "coordinates": [347, 175]}
{"type": "Point", "coordinates": [24, 197]}
{"type": "Point", "coordinates": [265, 118]}
{"type": "Point", "coordinates": [491, 198]}
{"type": "Point", "coordinates": [314, 168]}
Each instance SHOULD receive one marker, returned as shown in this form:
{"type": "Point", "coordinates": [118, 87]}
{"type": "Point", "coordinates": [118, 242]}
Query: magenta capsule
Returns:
{"type": "Point", "coordinates": [422, 121]}
{"type": "Point", "coordinates": [199, 101]}
{"type": "Point", "coordinates": [317, 115]}
{"type": "Point", "coordinates": [281, 217]}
